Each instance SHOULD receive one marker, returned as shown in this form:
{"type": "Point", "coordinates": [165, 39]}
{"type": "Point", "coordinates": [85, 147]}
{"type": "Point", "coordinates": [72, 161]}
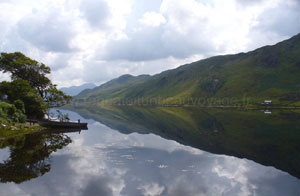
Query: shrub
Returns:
{"type": "Point", "coordinates": [11, 113]}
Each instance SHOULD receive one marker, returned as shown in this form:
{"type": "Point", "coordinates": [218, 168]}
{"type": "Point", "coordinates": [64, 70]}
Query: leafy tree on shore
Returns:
{"type": "Point", "coordinates": [11, 92]}
{"type": "Point", "coordinates": [29, 84]}
{"type": "Point", "coordinates": [11, 112]}
{"type": "Point", "coordinates": [22, 67]}
{"type": "Point", "coordinates": [55, 98]}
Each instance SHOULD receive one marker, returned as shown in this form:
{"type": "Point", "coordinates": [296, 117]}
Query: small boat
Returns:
{"type": "Point", "coordinates": [51, 123]}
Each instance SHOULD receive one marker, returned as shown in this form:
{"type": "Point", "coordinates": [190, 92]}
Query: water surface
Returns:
{"type": "Point", "coordinates": [133, 151]}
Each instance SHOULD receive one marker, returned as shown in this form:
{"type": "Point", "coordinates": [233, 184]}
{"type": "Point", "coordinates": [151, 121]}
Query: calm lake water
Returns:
{"type": "Point", "coordinates": [158, 151]}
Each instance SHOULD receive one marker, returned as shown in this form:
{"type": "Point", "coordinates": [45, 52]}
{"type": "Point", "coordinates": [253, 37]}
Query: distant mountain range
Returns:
{"type": "Point", "coordinates": [270, 72]}
{"type": "Point", "coordinates": [75, 90]}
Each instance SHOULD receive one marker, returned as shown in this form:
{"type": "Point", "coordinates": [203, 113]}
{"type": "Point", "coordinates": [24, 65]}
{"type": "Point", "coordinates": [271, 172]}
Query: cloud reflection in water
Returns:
{"type": "Point", "coordinates": [103, 162]}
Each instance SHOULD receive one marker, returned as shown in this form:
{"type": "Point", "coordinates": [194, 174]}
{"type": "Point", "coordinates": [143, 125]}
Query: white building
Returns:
{"type": "Point", "coordinates": [268, 102]}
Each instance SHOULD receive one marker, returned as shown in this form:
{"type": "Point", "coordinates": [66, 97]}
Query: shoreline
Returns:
{"type": "Point", "coordinates": [20, 129]}
{"type": "Point", "coordinates": [188, 105]}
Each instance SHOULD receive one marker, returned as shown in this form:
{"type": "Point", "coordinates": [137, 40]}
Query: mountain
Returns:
{"type": "Point", "coordinates": [75, 90]}
{"type": "Point", "coordinates": [270, 72]}
{"type": "Point", "coordinates": [118, 84]}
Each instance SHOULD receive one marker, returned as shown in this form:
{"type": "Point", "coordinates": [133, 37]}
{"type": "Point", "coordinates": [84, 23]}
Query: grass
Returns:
{"type": "Point", "coordinates": [11, 129]}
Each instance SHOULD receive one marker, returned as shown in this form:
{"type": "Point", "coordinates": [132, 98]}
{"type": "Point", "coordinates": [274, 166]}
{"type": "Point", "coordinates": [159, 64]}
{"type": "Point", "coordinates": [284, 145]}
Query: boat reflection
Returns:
{"type": "Point", "coordinates": [64, 130]}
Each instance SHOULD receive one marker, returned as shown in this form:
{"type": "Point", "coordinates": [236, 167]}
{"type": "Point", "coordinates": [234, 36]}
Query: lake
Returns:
{"type": "Point", "coordinates": [138, 151]}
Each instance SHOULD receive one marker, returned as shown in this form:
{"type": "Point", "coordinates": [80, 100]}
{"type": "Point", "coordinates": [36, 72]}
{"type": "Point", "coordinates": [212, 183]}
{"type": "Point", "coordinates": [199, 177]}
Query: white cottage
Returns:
{"type": "Point", "coordinates": [267, 102]}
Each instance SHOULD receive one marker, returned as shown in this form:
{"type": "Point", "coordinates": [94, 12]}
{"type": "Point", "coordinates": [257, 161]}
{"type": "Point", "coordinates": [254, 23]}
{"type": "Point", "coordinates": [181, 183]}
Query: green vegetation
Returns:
{"type": "Point", "coordinates": [12, 112]}
{"type": "Point", "coordinates": [20, 90]}
{"type": "Point", "coordinates": [11, 130]}
{"type": "Point", "coordinates": [245, 79]}
{"type": "Point", "coordinates": [12, 120]}
{"type": "Point", "coordinates": [29, 94]}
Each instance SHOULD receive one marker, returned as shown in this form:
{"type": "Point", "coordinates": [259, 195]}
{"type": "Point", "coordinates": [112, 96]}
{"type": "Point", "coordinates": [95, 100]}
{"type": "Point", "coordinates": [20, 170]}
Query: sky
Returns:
{"type": "Point", "coordinates": [93, 41]}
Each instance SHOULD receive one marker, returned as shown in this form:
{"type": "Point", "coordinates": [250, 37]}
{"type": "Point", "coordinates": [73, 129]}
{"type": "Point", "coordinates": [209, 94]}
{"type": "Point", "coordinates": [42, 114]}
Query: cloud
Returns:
{"type": "Point", "coordinates": [283, 19]}
{"type": "Point", "coordinates": [95, 41]}
{"type": "Point", "coordinates": [151, 189]}
{"type": "Point", "coordinates": [152, 19]}
{"type": "Point", "coordinates": [180, 30]}
{"type": "Point", "coordinates": [248, 2]}
{"type": "Point", "coordinates": [141, 7]}
{"type": "Point", "coordinates": [96, 12]}
{"type": "Point", "coordinates": [5, 1]}
{"type": "Point", "coordinates": [57, 61]}
{"type": "Point", "coordinates": [4, 77]}
{"type": "Point", "coordinates": [174, 32]}
{"type": "Point", "coordinates": [142, 45]}
{"type": "Point", "coordinates": [101, 71]}
{"type": "Point", "coordinates": [49, 32]}
{"type": "Point", "coordinates": [98, 186]}
{"type": "Point", "coordinates": [274, 24]}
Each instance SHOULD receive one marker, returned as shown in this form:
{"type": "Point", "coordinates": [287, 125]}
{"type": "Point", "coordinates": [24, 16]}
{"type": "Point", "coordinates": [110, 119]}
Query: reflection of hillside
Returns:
{"type": "Point", "coordinates": [271, 140]}
{"type": "Point", "coordinates": [30, 156]}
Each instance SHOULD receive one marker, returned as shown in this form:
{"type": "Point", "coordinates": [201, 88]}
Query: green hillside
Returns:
{"type": "Point", "coordinates": [113, 86]}
{"type": "Point", "coordinates": [270, 72]}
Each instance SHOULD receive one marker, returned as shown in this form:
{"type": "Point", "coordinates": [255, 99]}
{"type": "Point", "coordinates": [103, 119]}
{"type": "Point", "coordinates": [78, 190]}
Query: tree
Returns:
{"type": "Point", "coordinates": [20, 105]}
{"type": "Point", "coordinates": [17, 89]}
{"type": "Point", "coordinates": [35, 106]}
{"type": "Point", "coordinates": [11, 112]}
{"type": "Point", "coordinates": [62, 117]}
{"type": "Point", "coordinates": [28, 80]}
{"type": "Point", "coordinates": [55, 98]}
{"type": "Point", "coordinates": [21, 90]}
{"type": "Point", "coordinates": [22, 67]}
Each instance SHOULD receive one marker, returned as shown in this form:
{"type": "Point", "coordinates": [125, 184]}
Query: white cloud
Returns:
{"type": "Point", "coordinates": [94, 41]}
{"type": "Point", "coordinates": [96, 12]}
{"type": "Point", "coordinates": [50, 33]}
{"type": "Point", "coordinates": [4, 77]}
{"type": "Point", "coordinates": [151, 189]}
{"type": "Point", "coordinates": [152, 19]}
